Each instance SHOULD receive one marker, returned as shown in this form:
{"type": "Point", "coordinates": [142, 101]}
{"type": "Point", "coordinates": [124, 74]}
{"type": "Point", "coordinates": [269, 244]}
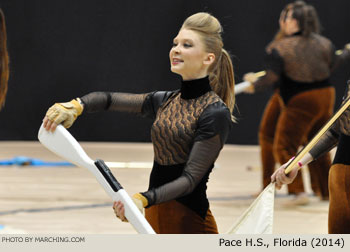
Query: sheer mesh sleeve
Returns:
{"type": "Point", "coordinates": [201, 160]}
{"type": "Point", "coordinates": [123, 102]}
{"type": "Point", "coordinates": [273, 64]}
{"type": "Point", "coordinates": [342, 125]}
{"type": "Point", "coordinates": [266, 82]}
{"type": "Point", "coordinates": [327, 142]}
{"type": "Point", "coordinates": [344, 122]}
{"type": "Point", "coordinates": [340, 59]}
{"type": "Point", "coordinates": [331, 137]}
{"type": "Point", "coordinates": [144, 104]}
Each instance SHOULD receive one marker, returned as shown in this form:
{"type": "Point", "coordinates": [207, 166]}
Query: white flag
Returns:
{"type": "Point", "coordinates": [258, 218]}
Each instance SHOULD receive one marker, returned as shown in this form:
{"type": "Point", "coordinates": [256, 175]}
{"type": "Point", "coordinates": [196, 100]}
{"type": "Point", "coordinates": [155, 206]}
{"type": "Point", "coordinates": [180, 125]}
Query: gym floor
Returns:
{"type": "Point", "coordinates": [68, 199]}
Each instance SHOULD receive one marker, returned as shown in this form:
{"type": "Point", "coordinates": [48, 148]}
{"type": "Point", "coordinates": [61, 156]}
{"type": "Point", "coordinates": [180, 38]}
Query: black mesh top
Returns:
{"type": "Point", "coordinates": [190, 128]}
{"type": "Point", "coordinates": [305, 59]}
{"type": "Point", "coordinates": [299, 63]}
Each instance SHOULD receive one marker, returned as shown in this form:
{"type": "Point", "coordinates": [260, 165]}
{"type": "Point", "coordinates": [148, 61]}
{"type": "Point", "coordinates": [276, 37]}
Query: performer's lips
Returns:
{"type": "Point", "coordinates": [176, 61]}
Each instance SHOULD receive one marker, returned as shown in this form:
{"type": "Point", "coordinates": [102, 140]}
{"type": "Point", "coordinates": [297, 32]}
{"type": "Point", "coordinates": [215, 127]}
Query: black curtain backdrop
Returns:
{"type": "Point", "coordinates": [62, 49]}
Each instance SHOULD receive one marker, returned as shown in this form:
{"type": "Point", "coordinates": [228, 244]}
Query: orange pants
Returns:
{"type": "Point", "coordinates": [284, 128]}
{"type": "Point", "coordinates": [339, 199]}
{"type": "Point", "coordinates": [175, 218]}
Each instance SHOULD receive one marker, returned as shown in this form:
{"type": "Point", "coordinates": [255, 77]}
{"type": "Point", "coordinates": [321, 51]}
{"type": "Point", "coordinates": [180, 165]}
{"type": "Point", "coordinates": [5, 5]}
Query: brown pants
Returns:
{"type": "Point", "coordinates": [284, 128]}
{"type": "Point", "coordinates": [175, 218]}
{"type": "Point", "coordinates": [339, 199]}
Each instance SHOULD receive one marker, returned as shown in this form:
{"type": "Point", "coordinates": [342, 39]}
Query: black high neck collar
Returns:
{"type": "Point", "coordinates": [191, 89]}
{"type": "Point", "coordinates": [298, 33]}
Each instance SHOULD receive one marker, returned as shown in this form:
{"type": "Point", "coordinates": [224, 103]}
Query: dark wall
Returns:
{"type": "Point", "coordinates": [62, 49]}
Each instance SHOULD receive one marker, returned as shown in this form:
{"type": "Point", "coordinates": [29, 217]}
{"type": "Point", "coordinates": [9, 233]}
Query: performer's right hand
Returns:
{"type": "Point", "coordinates": [250, 77]}
{"type": "Point", "coordinates": [281, 178]}
{"type": "Point", "coordinates": [347, 46]}
{"type": "Point", "coordinates": [139, 200]}
{"type": "Point", "coordinates": [119, 211]}
{"type": "Point", "coordinates": [64, 113]}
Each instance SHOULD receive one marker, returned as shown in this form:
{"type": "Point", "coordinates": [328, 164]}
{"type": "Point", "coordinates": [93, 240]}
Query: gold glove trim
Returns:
{"type": "Point", "coordinates": [143, 199]}
{"type": "Point", "coordinates": [77, 105]}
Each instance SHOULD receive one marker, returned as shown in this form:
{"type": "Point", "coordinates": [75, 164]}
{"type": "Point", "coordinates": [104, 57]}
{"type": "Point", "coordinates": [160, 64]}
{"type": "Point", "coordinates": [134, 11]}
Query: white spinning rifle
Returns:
{"type": "Point", "coordinates": [242, 86]}
{"type": "Point", "coordinates": [62, 143]}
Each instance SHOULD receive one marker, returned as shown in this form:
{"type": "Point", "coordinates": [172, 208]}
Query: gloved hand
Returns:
{"type": "Point", "coordinates": [344, 52]}
{"type": "Point", "coordinates": [64, 113]}
{"type": "Point", "coordinates": [250, 77]}
{"type": "Point", "coordinates": [140, 201]}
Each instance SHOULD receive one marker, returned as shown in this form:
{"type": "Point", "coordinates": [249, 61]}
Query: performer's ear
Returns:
{"type": "Point", "coordinates": [210, 58]}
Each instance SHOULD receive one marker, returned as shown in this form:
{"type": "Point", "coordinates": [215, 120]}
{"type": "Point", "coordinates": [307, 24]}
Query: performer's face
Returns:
{"type": "Point", "coordinates": [188, 56]}
{"type": "Point", "coordinates": [288, 24]}
{"type": "Point", "coordinates": [282, 20]}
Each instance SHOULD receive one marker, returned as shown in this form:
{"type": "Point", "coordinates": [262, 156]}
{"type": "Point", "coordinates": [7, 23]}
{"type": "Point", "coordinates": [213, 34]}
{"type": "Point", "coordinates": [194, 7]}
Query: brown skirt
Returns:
{"type": "Point", "coordinates": [175, 218]}
{"type": "Point", "coordinates": [339, 199]}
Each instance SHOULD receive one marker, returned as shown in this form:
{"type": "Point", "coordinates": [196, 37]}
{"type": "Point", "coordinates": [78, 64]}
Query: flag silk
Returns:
{"type": "Point", "coordinates": [258, 218]}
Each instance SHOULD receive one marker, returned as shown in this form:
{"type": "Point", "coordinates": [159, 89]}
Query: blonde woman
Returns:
{"type": "Point", "coordinates": [190, 127]}
{"type": "Point", "coordinates": [4, 61]}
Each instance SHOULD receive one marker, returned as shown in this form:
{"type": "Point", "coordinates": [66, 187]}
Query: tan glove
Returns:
{"type": "Point", "coordinates": [65, 113]}
{"type": "Point", "coordinates": [140, 201]}
{"type": "Point", "coordinates": [250, 77]}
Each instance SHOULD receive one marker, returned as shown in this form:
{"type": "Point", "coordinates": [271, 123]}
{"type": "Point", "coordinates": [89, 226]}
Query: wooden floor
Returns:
{"type": "Point", "coordinates": [36, 199]}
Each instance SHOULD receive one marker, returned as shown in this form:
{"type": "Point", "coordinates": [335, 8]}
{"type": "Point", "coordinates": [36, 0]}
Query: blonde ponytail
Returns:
{"type": "Point", "coordinates": [221, 71]}
{"type": "Point", "coordinates": [222, 80]}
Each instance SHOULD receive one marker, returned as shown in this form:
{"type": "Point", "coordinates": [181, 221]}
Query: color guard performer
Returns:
{"type": "Point", "coordinates": [190, 127]}
{"type": "Point", "coordinates": [339, 175]}
{"type": "Point", "coordinates": [299, 62]}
